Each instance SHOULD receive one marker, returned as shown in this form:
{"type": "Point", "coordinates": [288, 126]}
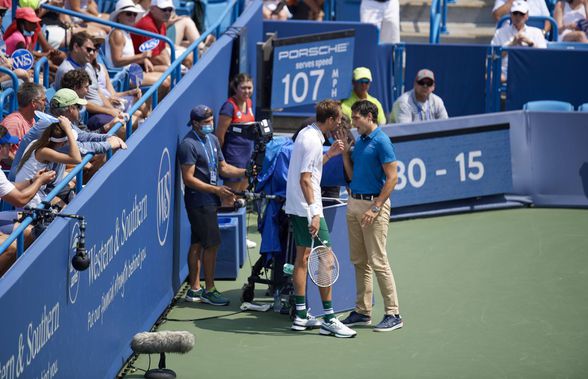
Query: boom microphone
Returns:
{"type": "Point", "coordinates": [162, 342]}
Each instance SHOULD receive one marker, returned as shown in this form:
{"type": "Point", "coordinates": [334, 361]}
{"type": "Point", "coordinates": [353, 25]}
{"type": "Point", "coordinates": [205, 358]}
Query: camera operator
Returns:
{"type": "Point", "coordinates": [17, 194]}
{"type": "Point", "coordinates": [235, 140]}
{"type": "Point", "coordinates": [202, 161]}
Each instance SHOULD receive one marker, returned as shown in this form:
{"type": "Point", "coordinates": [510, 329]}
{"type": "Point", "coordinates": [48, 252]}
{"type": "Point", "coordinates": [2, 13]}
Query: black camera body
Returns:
{"type": "Point", "coordinates": [261, 132]}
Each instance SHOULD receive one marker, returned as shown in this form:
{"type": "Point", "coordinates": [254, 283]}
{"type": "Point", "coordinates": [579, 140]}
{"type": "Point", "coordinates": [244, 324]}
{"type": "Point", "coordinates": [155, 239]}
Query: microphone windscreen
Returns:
{"type": "Point", "coordinates": [163, 342]}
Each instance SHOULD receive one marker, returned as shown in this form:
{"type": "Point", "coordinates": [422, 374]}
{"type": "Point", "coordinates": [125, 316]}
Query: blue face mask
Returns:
{"type": "Point", "coordinates": [207, 129]}
{"type": "Point", "coordinates": [26, 33]}
{"type": "Point", "coordinates": [331, 140]}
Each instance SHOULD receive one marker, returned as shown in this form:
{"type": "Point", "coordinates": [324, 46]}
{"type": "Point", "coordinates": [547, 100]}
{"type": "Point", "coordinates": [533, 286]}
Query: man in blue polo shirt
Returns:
{"type": "Point", "coordinates": [371, 167]}
{"type": "Point", "coordinates": [202, 162]}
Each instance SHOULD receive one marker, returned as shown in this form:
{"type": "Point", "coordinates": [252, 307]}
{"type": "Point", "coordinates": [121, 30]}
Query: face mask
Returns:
{"type": "Point", "coordinates": [331, 140]}
{"type": "Point", "coordinates": [26, 33]}
{"type": "Point", "coordinates": [207, 129]}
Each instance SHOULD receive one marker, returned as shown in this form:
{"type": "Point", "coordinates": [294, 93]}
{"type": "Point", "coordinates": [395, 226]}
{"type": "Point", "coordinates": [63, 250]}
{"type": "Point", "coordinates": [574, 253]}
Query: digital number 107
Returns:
{"type": "Point", "coordinates": [416, 172]}
{"type": "Point", "coordinates": [297, 87]}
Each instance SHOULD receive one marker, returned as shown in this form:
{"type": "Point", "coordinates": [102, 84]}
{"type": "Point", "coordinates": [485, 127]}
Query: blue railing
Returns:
{"type": "Point", "coordinates": [438, 20]}
{"type": "Point", "coordinates": [42, 64]}
{"type": "Point", "coordinates": [17, 234]}
{"type": "Point", "coordinates": [9, 91]}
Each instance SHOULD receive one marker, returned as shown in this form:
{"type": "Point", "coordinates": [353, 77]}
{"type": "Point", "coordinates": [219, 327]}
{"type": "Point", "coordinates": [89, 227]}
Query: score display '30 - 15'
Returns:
{"type": "Point", "coordinates": [452, 166]}
{"type": "Point", "coordinates": [415, 173]}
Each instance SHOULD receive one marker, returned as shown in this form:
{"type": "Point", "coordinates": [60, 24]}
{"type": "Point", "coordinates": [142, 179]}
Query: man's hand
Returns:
{"type": "Point", "coordinates": [225, 194]}
{"type": "Point", "coordinates": [315, 224]}
{"type": "Point", "coordinates": [46, 176]}
{"type": "Point", "coordinates": [116, 143]}
{"type": "Point", "coordinates": [148, 65]}
{"type": "Point", "coordinates": [368, 218]}
{"type": "Point", "coordinates": [336, 148]}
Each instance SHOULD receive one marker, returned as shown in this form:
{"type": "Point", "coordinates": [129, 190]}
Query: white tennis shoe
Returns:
{"type": "Point", "coordinates": [336, 328]}
{"type": "Point", "coordinates": [310, 322]}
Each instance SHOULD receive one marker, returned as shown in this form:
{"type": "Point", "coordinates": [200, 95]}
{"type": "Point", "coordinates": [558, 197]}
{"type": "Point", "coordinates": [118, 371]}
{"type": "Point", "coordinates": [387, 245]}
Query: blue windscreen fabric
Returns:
{"type": "Point", "coordinates": [546, 74]}
{"type": "Point", "coordinates": [460, 73]}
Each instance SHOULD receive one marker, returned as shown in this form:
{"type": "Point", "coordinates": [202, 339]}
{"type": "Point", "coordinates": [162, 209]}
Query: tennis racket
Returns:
{"type": "Point", "coordinates": [323, 266]}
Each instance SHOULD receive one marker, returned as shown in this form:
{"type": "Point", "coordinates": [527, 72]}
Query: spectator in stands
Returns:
{"type": "Point", "coordinates": [362, 78]}
{"type": "Point", "coordinates": [116, 102]}
{"type": "Point", "coordinates": [121, 53]}
{"type": "Point", "coordinates": [306, 9]}
{"type": "Point", "coordinates": [517, 33]}
{"type": "Point", "coordinates": [235, 142]}
{"type": "Point", "coordinates": [18, 194]}
{"type": "Point", "coordinates": [503, 7]}
{"type": "Point", "coordinates": [90, 8]}
{"type": "Point", "coordinates": [274, 9]}
{"type": "Point", "coordinates": [79, 81]}
{"type": "Point", "coordinates": [420, 103]}
{"type": "Point", "coordinates": [25, 32]}
{"type": "Point", "coordinates": [567, 13]}
{"type": "Point", "coordinates": [31, 97]}
{"type": "Point", "coordinates": [155, 21]}
{"type": "Point", "coordinates": [66, 103]}
{"type": "Point", "coordinates": [202, 162]}
{"type": "Point", "coordinates": [81, 53]}
{"type": "Point", "coordinates": [385, 15]}
{"type": "Point", "coordinates": [43, 155]}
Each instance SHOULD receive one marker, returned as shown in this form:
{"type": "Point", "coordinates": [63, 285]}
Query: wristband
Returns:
{"type": "Point", "coordinates": [314, 209]}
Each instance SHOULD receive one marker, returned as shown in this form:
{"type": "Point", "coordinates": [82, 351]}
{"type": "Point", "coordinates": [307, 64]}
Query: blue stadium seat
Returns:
{"type": "Point", "coordinates": [347, 10]}
{"type": "Point", "coordinates": [538, 22]}
{"type": "Point", "coordinates": [184, 8]}
{"type": "Point", "coordinates": [548, 105]}
{"type": "Point", "coordinates": [583, 107]}
{"type": "Point", "coordinates": [213, 10]}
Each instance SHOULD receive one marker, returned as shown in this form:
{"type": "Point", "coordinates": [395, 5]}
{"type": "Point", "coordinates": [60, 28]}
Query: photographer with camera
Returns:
{"type": "Point", "coordinates": [17, 194]}
{"type": "Point", "coordinates": [202, 162]}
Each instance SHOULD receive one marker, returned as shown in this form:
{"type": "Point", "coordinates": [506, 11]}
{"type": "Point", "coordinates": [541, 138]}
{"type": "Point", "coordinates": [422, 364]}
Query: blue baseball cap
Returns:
{"type": "Point", "coordinates": [199, 113]}
{"type": "Point", "coordinates": [9, 139]}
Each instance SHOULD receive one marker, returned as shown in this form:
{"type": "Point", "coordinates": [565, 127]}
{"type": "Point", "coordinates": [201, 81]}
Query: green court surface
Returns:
{"type": "Point", "coordinates": [499, 294]}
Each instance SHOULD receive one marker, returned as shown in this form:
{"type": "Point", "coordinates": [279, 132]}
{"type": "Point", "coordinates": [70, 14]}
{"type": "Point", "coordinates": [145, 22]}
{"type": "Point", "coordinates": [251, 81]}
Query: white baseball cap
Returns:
{"type": "Point", "coordinates": [162, 4]}
{"type": "Point", "coordinates": [520, 6]}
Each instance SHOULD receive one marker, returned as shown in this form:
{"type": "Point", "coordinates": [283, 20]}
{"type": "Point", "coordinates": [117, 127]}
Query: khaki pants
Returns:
{"type": "Point", "coordinates": [368, 254]}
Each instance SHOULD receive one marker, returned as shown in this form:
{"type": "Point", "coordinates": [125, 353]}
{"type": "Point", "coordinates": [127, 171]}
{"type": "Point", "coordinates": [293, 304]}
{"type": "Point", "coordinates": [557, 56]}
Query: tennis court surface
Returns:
{"type": "Point", "coordinates": [483, 295]}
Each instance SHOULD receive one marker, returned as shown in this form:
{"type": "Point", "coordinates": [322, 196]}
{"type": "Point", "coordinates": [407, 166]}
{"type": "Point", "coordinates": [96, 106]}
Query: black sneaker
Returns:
{"type": "Point", "coordinates": [390, 322]}
{"type": "Point", "coordinates": [355, 318]}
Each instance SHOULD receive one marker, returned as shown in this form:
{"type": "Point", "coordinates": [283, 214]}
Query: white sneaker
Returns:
{"type": "Point", "coordinates": [251, 244]}
{"type": "Point", "coordinates": [310, 322]}
{"type": "Point", "coordinates": [336, 328]}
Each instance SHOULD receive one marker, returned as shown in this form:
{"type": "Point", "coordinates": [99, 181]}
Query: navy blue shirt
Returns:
{"type": "Point", "coordinates": [370, 153]}
{"type": "Point", "coordinates": [200, 152]}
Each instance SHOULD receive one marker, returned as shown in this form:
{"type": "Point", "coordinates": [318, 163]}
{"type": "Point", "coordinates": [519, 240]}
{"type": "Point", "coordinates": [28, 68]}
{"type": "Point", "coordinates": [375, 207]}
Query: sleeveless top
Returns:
{"type": "Point", "coordinates": [128, 49]}
{"type": "Point", "coordinates": [28, 171]}
{"type": "Point", "coordinates": [237, 149]}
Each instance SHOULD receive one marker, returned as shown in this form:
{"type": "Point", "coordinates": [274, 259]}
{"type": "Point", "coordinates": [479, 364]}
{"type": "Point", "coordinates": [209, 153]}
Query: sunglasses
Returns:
{"type": "Point", "coordinates": [3, 12]}
{"type": "Point", "coordinates": [166, 10]}
{"type": "Point", "coordinates": [91, 50]}
{"type": "Point", "coordinates": [426, 83]}
{"type": "Point", "coordinates": [518, 14]}
{"type": "Point", "coordinates": [363, 81]}
{"type": "Point", "coordinates": [128, 14]}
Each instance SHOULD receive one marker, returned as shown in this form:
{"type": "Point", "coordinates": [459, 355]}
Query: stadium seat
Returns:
{"type": "Point", "coordinates": [347, 10]}
{"type": "Point", "coordinates": [184, 8]}
{"type": "Point", "coordinates": [548, 105]}
{"type": "Point", "coordinates": [213, 10]}
{"type": "Point", "coordinates": [583, 107]}
{"type": "Point", "coordinates": [538, 22]}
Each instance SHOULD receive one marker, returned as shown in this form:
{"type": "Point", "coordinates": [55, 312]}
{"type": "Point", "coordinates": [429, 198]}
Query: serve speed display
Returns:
{"type": "Point", "coordinates": [308, 69]}
{"type": "Point", "coordinates": [451, 165]}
